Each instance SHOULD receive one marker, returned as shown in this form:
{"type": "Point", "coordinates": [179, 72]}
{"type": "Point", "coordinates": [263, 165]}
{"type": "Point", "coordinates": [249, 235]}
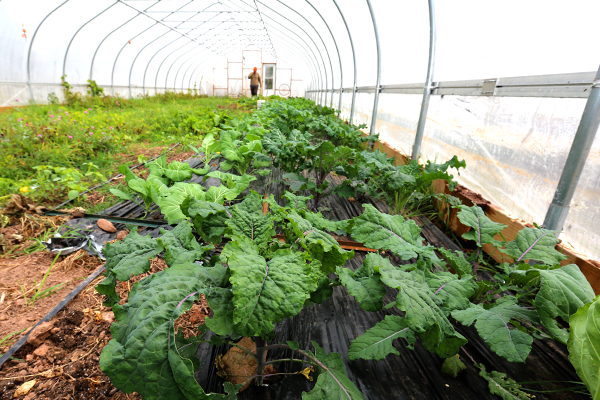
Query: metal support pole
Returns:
{"type": "Point", "coordinates": [339, 60]}
{"type": "Point", "coordinates": [580, 149]}
{"type": "Point", "coordinates": [353, 59]}
{"type": "Point", "coordinates": [102, 41]}
{"type": "Point", "coordinates": [377, 85]}
{"type": "Point", "coordinates": [416, 151]}
{"type": "Point", "coordinates": [326, 51]}
{"type": "Point", "coordinates": [64, 72]}
{"type": "Point", "coordinates": [31, 45]}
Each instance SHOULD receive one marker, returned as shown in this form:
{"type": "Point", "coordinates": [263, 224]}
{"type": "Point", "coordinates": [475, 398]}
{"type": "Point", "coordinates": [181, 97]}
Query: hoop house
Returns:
{"type": "Point", "coordinates": [511, 87]}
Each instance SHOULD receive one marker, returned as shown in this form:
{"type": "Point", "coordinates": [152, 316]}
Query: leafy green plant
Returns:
{"type": "Point", "coordinates": [51, 180]}
{"type": "Point", "coordinates": [321, 159]}
{"type": "Point", "coordinates": [94, 90]}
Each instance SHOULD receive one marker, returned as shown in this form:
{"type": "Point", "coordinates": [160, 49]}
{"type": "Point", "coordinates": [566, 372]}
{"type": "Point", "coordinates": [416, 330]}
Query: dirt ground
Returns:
{"type": "Point", "coordinates": [61, 358]}
{"type": "Point", "coordinates": [25, 274]}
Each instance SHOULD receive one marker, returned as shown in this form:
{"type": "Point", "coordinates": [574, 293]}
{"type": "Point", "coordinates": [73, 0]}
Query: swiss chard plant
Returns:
{"type": "Point", "coordinates": [322, 158]}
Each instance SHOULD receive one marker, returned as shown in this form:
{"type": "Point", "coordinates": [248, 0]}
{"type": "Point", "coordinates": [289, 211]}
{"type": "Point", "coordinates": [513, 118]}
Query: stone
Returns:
{"type": "Point", "coordinates": [106, 226]}
{"type": "Point", "coordinates": [42, 350]}
{"type": "Point", "coordinates": [40, 333]}
{"type": "Point", "coordinates": [108, 317]}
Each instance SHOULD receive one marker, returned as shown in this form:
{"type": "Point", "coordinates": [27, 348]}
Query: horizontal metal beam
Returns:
{"type": "Point", "coordinates": [574, 85]}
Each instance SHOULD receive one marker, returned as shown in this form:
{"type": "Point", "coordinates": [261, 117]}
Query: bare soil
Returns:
{"type": "Point", "coordinates": [25, 274]}
{"type": "Point", "coordinates": [63, 362]}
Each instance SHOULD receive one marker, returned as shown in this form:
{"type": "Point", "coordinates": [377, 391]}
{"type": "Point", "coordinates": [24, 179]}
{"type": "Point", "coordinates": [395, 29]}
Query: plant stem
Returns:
{"type": "Point", "coordinates": [261, 346]}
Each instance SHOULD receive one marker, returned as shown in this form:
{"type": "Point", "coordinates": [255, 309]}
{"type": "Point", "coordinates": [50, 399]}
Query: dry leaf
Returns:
{"type": "Point", "coordinates": [24, 388]}
{"type": "Point", "coordinates": [51, 373]}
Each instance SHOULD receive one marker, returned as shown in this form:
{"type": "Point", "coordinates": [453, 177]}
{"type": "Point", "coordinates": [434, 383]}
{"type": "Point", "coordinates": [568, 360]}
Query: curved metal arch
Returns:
{"type": "Point", "coordinates": [31, 45]}
{"type": "Point", "coordinates": [112, 75]}
{"type": "Point", "coordinates": [167, 77]}
{"type": "Point", "coordinates": [307, 46]}
{"type": "Point", "coordinates": [310, 37]}
{"type": "Point", "coordinates": [300, 46]}
{"type": "Point", "coordinates": [161, 64]}
{"type": "Point", "coordinates": [174, 61]}
{"type": "Point", "coordinates": [177, 73]}
{"type": "Point", "coordinates": [106, 37]}
{"type": "Point", "coordinates": [131, 67]}
{"type": "Point", "coordinates": [80, 28]}
{"type": "Point", "coordinates": [150, 61]}
{"type": "Point", "coordinates": [354, 59]}
{"type": "Point", "coordinates": [377, 84]}
{"type": "Point", "coordinates": [416, 150]}
{"type": "Point", "coordinates": [326, 51]}
{"type": "Point", "coordinates": [159, 50]}
{"type": "Point", "coordinates": [339, 60]}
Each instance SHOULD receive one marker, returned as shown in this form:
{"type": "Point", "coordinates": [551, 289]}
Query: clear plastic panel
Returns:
{"type": "Point", "coordinates": [515, 150]}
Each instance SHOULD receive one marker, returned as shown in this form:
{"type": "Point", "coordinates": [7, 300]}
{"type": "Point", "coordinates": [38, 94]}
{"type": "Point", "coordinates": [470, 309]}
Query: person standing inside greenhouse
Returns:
{"type": "Point", "coordinates": [255, 81]}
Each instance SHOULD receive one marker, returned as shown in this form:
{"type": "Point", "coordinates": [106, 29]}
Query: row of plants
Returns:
{"type": "Point", "coordinates": [256, 281]}
{"type": "Point", "coordinates": [94, 128]}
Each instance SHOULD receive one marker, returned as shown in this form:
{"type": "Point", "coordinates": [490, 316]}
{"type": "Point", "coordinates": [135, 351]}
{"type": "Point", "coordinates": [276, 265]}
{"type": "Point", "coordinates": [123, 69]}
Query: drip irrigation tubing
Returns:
{"type": "Point", "coordinates": [52, 313]}
{"type": "Point", "coordinates": [114, 177]}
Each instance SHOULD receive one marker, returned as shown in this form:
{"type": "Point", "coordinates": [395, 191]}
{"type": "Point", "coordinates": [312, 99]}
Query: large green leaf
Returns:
{"type": "Point", "coordinates": [144, 355]}
{"type": "Point", "coordinates": [492, 326]}
{"type": "Point", "coordinates": [178, 171]}
{"type": "Point", "coordinates": [365, 283]}
{"type": "Point", "coordinates": [457, 261]}
{"type": "Point", "coordinates": [130, 257]}
{"type": "Point", "coordinates": [376, 343]}
{"type": "Point", "coordinates": [251, 223]}
{"type": "Point", "coordinates": [332, 381]}
{"type": "Point", "coordinates": [209, 219]}
{"type": "Point", "coordinates": [453, 292]}
{"type": "Point", "coordinates": [322, 246]}
{"type": "Point", "coordinates": [584, 346]}
{"type": "Point", "coordinates": [535, 244]}
{"type": "Point", "coordinates": [228, 148]}
{"type": "Point", "coordinates": [391, 232]}
{"type": "Point", "coordinates": [484, 229]}
{"type": "Point", "coordinates": [158, 166]}
{"type": "Point", "coordinates": [420, 303]}
{"type": "Point", "coordinates": [180, 245]}
{"type": "Point", "coordinates": [265, 292]}
{"type": "Point", "coordinates": [562, 292]}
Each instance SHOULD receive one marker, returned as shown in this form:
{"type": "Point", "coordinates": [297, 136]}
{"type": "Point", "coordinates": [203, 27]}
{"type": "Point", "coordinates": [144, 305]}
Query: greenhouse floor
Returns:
{"type": "Point", "coordinates": [414, 374]}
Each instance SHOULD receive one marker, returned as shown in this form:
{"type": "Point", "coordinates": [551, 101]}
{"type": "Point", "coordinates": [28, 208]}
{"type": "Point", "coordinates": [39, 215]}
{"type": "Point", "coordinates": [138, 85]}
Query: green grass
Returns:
{"type": "Point", "coordinates": [97, 130]}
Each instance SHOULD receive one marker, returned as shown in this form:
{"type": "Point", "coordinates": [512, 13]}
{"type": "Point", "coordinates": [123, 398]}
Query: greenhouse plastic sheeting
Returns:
{"type": "Point", "coordinates": [515, 149]}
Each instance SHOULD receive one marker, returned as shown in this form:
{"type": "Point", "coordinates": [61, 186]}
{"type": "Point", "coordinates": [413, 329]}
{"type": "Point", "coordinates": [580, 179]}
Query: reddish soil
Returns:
{"type": "Point", "coordinates": [475, 198]}
{"type": "Point", "coordinates": [62, 356]}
